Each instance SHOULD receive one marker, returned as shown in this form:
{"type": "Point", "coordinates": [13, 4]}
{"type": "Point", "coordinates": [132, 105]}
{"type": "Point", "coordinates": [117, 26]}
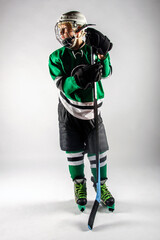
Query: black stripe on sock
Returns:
{"type": "Point", "coordinates": [101, 160]}
{"type": "Point", "coordinates": [75, 159]}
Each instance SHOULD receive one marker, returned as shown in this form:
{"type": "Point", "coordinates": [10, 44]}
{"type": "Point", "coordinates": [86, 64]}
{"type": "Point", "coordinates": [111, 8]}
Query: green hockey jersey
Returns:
{"type": "Point", "coordinates": [77, 101]}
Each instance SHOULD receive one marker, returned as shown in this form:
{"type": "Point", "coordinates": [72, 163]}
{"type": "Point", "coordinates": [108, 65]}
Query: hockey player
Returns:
{"type": "Point", "coordinates": [70, 68]}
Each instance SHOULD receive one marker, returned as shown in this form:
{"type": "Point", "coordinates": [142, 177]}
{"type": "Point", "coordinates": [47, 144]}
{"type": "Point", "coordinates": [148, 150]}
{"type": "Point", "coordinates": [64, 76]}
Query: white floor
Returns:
{"type": "Point", "coordinates": [37, 204]}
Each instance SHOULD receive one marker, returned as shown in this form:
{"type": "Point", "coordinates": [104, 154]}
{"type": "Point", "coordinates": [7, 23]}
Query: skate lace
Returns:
{"type": "Point", "coordinates": [81, 191]}
{"type": "Point", "coordinates": [105, 194]}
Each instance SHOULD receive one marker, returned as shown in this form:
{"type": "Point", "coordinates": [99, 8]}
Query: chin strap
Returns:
{"type": "Point", "coordinates": [67, 42]}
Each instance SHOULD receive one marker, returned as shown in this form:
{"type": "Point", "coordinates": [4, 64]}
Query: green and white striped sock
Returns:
{"type": "Point", "coordinates": [103, 164]}
{"type": "Point", "coordinates": [76, 164]}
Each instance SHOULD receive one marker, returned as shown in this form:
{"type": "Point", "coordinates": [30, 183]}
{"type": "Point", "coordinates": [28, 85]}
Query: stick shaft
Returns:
{"type": "Point", "coordinates": [98, 187]}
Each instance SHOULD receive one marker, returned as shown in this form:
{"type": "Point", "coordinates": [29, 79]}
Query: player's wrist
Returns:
{"type": "Point", "coordinates": [101, 57]}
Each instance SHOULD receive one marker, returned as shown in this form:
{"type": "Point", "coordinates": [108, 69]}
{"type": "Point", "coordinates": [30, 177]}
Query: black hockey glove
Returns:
{"type": "Point", "coordinates": [100, 43]}
{"type": "Point", "coordinates": [85, 75]}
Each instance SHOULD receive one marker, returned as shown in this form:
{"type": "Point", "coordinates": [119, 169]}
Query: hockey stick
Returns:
{"type": "Point", "coordinates": [98, 185]}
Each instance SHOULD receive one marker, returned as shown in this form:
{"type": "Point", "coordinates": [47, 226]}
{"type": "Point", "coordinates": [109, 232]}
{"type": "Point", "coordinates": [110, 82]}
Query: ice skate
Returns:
{"type": "Point", "coordinates": [80, 193]}
{"type": "Point", "coordinates": [106, 197]}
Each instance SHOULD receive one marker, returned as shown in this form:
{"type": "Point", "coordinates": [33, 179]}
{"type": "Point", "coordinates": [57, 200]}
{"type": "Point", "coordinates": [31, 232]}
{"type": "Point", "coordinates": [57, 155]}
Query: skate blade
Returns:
{"type": "Point", "coordinates": [111, 208]}
{"type": "Point", "coordinates": [81, 208]}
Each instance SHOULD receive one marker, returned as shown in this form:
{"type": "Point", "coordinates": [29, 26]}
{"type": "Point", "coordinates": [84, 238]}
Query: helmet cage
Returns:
{"type": "Point", "coordinates": [70, 41]}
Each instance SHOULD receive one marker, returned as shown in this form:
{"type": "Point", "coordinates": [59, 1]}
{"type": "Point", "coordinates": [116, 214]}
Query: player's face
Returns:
{"type": "Point", "coordinates": [66, 30]}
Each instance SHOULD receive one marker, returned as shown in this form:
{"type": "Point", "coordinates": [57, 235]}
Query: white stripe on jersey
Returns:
{"type": "Point", "coordinates": [84, 114]}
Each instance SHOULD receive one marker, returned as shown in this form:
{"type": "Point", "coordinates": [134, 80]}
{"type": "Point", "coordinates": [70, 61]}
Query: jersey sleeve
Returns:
{"type": "Point", "coordinates": [65, 83]}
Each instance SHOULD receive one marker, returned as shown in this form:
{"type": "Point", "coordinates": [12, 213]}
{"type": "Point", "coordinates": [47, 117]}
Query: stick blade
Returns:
{"type": "Point", "coordinates": [93, 214]}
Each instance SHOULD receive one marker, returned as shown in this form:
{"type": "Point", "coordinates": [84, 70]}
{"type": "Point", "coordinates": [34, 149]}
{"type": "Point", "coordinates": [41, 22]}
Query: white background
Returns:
{"type": "Point", "coordinates": [36, 192]}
